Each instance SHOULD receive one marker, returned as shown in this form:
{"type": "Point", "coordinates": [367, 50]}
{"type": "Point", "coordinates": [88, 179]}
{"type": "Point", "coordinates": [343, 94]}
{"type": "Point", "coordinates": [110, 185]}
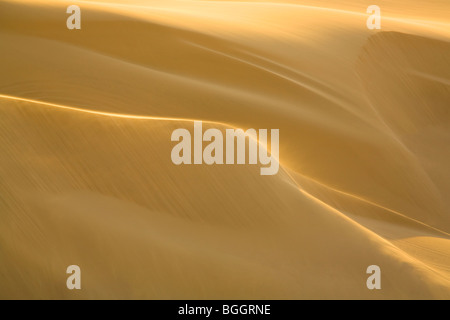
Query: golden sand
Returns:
{"type": "Point", "coordinates": [86, 177]}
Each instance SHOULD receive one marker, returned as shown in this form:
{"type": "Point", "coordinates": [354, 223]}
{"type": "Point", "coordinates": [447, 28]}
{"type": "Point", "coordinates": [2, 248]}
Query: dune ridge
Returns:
{"type": "Point", "coordinates": [86, 176]}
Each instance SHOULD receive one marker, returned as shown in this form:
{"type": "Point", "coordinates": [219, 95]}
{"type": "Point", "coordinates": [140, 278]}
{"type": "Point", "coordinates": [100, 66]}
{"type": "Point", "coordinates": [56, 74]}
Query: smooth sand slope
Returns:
{"type": "Point", "coordinates": [364, 135]}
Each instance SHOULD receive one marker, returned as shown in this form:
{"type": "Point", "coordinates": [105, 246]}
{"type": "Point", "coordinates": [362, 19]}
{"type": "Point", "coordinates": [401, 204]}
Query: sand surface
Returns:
{"type": "Point", "coordinates": [86, 178]}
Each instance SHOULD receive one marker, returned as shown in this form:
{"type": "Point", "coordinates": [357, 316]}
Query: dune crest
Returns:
{"type": "Point", "coordinates": [86, 176]}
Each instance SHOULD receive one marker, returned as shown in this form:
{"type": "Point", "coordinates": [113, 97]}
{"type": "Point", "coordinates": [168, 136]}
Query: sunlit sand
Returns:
{"type": "Point", "coordinates": [86, 175]}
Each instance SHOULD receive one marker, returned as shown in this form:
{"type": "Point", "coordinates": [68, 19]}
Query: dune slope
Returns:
{"type": "Point", "coordinates": [86, 178]}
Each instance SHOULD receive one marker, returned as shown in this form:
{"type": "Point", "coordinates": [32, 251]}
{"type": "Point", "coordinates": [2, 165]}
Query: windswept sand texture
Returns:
{"type": "Point", "coordinates": [86, 177]}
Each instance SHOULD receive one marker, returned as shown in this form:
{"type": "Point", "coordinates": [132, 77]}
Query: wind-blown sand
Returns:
{"type": "Point", "coordinates": [86, 177]}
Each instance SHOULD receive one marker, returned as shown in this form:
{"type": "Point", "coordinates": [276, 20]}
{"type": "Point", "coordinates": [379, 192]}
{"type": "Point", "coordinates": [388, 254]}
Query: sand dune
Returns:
{"type": "Point", "coordinates": [86, 177]}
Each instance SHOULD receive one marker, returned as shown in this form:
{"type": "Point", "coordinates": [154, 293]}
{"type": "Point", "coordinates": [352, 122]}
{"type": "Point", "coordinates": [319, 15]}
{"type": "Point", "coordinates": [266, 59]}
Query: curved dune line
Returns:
{"type": "Point", "coordinates": [317, 91]}
{"type": "Point", "coordinates": [107, 114]}
{"type": "Point", "coordinates": [409, 258]}
{"type": "Point", "coordinates": [125, 116]}
{"type": "Point", "coordinates": [359, 198]}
